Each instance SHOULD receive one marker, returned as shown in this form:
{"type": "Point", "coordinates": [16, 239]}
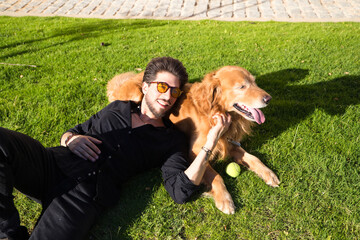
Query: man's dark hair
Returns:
{"type": "Point", "coordinates": [165, 64]}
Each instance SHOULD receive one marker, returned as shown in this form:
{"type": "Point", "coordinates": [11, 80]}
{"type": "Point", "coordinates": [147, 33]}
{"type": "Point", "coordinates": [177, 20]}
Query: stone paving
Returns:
{"type": "Point", "coordinates": [227, 10]}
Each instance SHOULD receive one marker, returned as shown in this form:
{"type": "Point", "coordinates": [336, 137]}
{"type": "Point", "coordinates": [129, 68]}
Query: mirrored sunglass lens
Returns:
{"type": "Point", "coordinates": [162, 87]}
{"type": "Point", "coordinates": [175, 92]}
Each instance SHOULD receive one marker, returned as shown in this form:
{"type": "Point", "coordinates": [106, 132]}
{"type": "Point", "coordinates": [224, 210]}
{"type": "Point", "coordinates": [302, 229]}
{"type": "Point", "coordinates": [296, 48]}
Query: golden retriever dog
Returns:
{"type": "Point", "coordinates": [230, 89]}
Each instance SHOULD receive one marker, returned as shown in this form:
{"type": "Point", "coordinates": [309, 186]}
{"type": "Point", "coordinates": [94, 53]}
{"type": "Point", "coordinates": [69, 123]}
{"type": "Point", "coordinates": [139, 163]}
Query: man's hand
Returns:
{"type": "Point", "coordinates": [196, 170]}
{"type": "Point", "coordinates": [85, 147]}
{"type": "Point", "coordinates": [222, 123]}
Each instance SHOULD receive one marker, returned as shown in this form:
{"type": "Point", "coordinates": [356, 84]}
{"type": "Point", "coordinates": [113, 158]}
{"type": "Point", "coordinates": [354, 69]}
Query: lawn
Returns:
{"type": "Point", "coordinates": [53, 75]}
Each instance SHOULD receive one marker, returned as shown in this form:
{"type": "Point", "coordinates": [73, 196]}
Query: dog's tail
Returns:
{"type": "Point", "coordinates": [125, 86]}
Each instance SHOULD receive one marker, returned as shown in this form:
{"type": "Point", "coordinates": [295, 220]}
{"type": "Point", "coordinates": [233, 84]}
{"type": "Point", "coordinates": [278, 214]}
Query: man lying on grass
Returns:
{"type": "Point", "coordinates": [76, 181]}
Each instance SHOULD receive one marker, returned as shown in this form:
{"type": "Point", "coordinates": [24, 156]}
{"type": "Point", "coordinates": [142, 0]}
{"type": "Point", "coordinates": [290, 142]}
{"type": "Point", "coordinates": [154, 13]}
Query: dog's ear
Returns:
{"type": "Point", "coordinates": [207, 94]}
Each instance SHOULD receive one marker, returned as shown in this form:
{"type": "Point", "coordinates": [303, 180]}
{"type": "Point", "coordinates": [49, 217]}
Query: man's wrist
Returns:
{"type": "Point", "coordinates": [68, 138]}
{"type": "Point", "coordinates": [210, 144]}
{"type": "Point", "coordinates": [207, 151]}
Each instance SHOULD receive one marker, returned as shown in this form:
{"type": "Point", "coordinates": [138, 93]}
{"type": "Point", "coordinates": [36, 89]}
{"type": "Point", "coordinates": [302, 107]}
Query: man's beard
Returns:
{"type": "Point", "coordinates": [157, 113]}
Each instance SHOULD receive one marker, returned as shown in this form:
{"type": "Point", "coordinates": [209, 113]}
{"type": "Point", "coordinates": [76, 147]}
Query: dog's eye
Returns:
{"type": "Point", "coordinates": [241, 87]}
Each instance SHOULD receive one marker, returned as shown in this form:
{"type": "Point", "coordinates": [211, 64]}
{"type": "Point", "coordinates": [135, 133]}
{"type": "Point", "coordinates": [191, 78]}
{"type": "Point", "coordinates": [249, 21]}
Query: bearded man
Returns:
{"type": "Point", "coordinates": [77, 181]}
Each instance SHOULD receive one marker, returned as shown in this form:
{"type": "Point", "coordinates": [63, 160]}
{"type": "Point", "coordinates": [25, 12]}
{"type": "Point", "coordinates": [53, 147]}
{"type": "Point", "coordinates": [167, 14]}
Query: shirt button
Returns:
{"type": "Point", "coordinates": [109, 157]}
{"type": "Point", "coordinates": [129, 132]}
{"type": "Point", "coordinates": [118, 145]}
{"type": "Point", "coordinates": [89, 174]}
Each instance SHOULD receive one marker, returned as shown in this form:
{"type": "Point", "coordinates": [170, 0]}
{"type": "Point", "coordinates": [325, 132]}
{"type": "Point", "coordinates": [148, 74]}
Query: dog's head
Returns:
{"type": "Point", "coordinates": [239, 92]}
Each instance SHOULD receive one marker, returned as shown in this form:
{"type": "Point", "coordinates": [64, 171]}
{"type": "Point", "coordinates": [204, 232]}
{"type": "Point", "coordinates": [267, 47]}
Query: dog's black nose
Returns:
{"type": "Point", "coordinates": [267, 99]}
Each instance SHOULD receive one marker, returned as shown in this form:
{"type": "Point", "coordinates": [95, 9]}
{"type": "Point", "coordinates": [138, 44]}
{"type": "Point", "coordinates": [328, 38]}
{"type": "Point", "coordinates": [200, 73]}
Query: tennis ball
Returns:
{"type": "Point", "coordinates": [233, 169]}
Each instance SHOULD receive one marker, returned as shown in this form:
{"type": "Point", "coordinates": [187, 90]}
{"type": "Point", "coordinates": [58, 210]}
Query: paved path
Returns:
{"type": "Point", "coordinates": [228, 10]}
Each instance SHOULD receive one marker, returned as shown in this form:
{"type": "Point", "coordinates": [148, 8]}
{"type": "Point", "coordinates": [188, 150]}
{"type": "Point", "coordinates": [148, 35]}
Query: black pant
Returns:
{"type": "Point", "coordinates": [69, 210]}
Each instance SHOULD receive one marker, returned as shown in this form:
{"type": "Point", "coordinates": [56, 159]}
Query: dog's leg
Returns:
{"type": "Point", "coordinates": [222, 197]}
{"type": "Point", "coordinates": [254, 164]}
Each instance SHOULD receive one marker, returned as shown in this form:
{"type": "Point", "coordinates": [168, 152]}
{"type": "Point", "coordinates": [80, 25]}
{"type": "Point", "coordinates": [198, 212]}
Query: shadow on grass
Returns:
{"type": "Point", "coordinates": [76, 31]}
{"type": "Point", "coordinates": [292, 102]}
{"type": "Point", "coordinates": [136, 195]}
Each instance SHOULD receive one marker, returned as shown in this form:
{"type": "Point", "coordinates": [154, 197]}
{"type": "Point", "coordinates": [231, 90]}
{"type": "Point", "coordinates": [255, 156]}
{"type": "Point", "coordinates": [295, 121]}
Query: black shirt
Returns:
{"type": "Point", "coordinates": [127, 151]}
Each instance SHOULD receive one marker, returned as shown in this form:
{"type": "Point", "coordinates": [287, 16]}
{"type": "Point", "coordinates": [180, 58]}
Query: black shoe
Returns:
{"type": "Point", "coordinates": [20, 233]}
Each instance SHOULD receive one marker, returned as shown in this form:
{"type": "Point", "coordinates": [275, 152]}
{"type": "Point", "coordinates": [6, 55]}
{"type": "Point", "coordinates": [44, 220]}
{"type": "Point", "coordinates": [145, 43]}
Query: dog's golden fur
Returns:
{"type": "Point", "coordinates": [225, 90]}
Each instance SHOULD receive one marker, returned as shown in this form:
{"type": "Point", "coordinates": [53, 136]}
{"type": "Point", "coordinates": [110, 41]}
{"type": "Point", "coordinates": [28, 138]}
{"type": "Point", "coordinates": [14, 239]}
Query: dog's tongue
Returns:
{"type": "Point", "coordinates": [258, 115]}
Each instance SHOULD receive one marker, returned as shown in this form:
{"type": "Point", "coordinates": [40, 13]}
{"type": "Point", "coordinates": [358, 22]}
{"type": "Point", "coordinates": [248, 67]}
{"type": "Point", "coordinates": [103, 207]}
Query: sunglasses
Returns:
{"type": "Point", "coordinates": [162, 87]}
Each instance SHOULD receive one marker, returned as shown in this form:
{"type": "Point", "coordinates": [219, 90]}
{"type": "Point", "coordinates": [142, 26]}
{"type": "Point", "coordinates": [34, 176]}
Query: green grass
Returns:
{"type": "Point", "coordinates": [310, 138]}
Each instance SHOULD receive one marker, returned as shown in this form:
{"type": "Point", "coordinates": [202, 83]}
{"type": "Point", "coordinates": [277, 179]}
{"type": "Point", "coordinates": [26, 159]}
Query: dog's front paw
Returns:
{"type": "Point", "coordinates": [225, 203]}
{"type": "Point", "coordinates": [270, 178]}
